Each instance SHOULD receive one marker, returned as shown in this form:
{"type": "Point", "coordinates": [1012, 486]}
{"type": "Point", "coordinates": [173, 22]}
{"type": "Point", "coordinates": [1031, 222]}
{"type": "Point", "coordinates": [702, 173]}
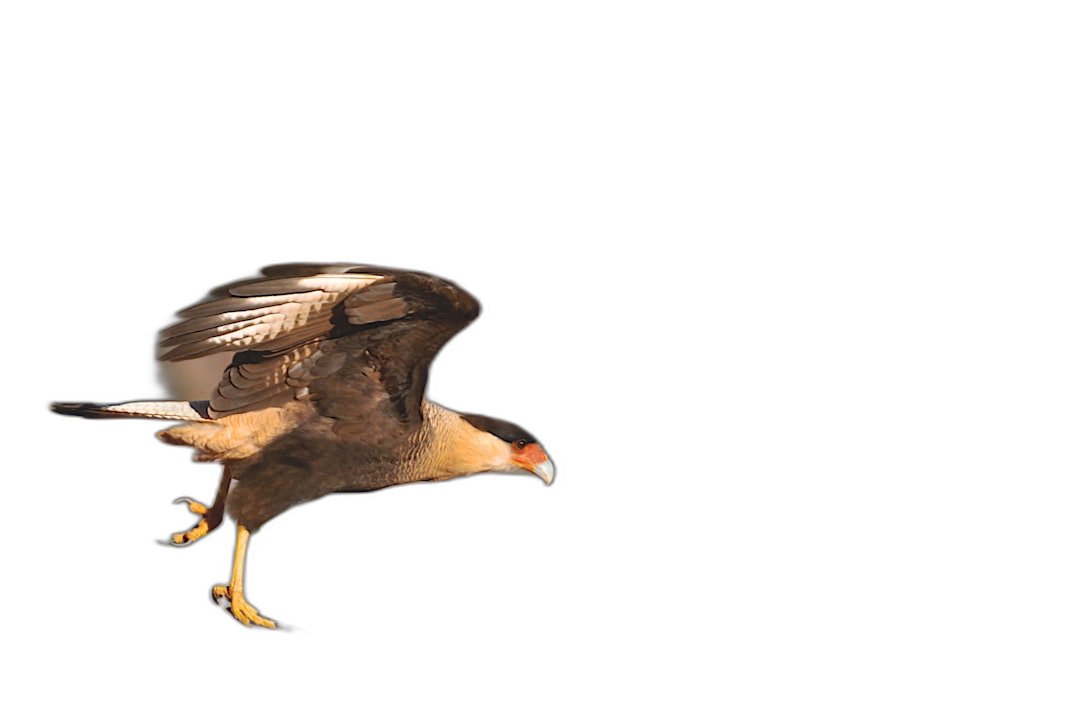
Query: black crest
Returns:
{"type": "Point", "coordinates": [505, 430]}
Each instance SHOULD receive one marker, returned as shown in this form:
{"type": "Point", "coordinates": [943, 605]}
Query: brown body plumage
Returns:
{"type": "Point", "coordinates": [325, 394]}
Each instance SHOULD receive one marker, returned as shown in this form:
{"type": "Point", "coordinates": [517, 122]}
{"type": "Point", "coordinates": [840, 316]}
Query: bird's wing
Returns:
{"type": "Point", "coordinates": [350, 338]}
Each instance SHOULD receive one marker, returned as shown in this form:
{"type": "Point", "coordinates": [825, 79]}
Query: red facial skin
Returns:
{"type": "Point", "coordinates": [529, 456]}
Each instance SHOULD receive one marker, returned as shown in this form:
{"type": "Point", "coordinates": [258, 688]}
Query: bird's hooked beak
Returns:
{"type": "Point", "coordinates": [534, 460]}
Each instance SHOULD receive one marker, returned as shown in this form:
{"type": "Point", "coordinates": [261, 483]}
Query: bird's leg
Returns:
{"type": "Point", "coordinates": [211, 517]}
{"type": "Point", "coordinates": [234, 591]}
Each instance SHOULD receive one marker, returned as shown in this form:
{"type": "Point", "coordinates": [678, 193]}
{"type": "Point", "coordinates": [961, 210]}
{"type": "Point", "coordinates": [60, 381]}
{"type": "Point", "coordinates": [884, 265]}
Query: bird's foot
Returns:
{"type": "Point", "coordinates": [201, 528]}
{"type": "Point", "coordinates": [241, 609]}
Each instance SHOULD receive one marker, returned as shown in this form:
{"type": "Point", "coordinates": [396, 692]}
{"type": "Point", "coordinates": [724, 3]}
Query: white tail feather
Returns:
{"type": "Point", "coordinates": [166, 410]}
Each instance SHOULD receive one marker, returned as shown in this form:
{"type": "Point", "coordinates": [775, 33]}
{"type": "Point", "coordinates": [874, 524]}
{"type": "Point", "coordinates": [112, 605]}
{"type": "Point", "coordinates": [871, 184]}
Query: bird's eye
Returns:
{"type": "Point", "coordinates": [521, 443]}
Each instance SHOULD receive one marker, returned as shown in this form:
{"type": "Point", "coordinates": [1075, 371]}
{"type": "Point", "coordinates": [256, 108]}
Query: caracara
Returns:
{"type": "Point", "coordinates": [325, 394]}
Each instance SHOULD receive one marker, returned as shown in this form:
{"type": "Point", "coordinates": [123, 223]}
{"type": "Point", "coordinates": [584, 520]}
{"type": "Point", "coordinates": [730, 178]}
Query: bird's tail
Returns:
{"type": "Point", "coordinates": [194, 411]}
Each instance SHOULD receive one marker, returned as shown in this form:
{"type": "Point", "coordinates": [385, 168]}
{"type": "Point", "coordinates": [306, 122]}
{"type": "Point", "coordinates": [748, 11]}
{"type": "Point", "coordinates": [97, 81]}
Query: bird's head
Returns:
{"type": "Point", "coordinates": [511, 447]}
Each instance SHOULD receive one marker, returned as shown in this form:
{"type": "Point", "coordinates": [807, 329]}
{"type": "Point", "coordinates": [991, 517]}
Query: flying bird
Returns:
{"type": "Point", "coordinates": [324, 394]}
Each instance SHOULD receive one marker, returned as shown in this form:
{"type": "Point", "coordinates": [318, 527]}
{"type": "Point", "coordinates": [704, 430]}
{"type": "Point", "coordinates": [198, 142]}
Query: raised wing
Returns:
{"type": "Point", "coordinates": [353, 339]}
{"type": "Point", "coordinates": [272, 313]}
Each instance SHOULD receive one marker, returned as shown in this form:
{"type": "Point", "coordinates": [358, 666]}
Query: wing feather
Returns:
{"type": "Point", "coordinates": [349, 337]}
{"type": "Point", "coordinates": [272, 314]}
{"type": "Point", "coordinates": [215, 307]}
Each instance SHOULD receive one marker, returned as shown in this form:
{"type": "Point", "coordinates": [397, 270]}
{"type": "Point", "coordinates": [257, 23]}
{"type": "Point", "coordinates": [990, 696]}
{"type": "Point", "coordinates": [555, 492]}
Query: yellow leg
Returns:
{"type": "Point", "coordinates": [201, 528]}
{"type": "Point", "coordinates": [210, 518]}
{"type": "Point", "coordinates": [234, 591]}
